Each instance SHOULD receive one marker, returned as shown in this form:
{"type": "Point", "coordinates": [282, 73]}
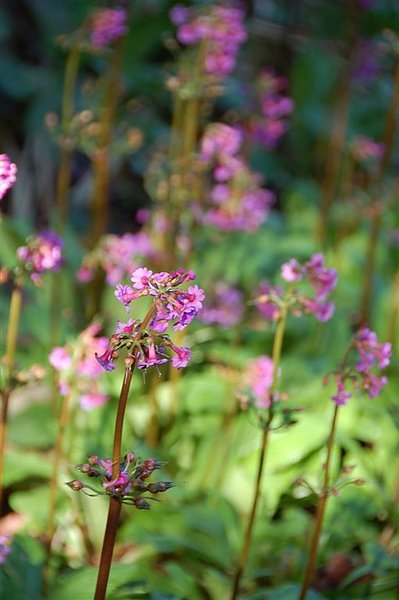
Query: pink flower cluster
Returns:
{"type": "Point", "coordinates": [79, 370]}
{"type": "Point", "coordinates": [224, 307]}
{"type": "Point", "coordinates": [41, 253]}
{"type": "Point", "coordinates": [8, 174]}
{"type": "Point", "coordinates": [365, 150]}
{"type": "Point", "coordinates": [256, 382]}
{"type": "Point", "coordinates": [238, 200]}
{"type": "Point", "coordinates": [171, 305]}
{"type": "Point", "coordinates": [371, 355]}
{"type": "Point", "coordinates": [268, 127]}
{"type": "Point", "coordinates": [117, 256]}
{"type": "Point", "coordinates": [220, 31]}
{"type": "Point", "coordinates": [131, 482]}
{"type": "Point", "coordinates": [321, 280]}
{"type": "Point", "coordinates": [108, 24]}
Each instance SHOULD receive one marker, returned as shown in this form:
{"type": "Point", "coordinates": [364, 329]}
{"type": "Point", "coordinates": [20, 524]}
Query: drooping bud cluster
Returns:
{"type": "Point", "coordinates": [8, 174]}
{"type": "Point", "coordinates": [108, 24]}
{"type": "Point", "coordinates": [130, 485]}
{"type": "Point", "coordinates": [41, 253]}
{"type": "Point", "coordinates": [256, 382]}
{"type": "Point", "coordinates": [219, 30]}
{"type": "Point", "coordinates": [117, 256]}
{"type": "Point", "coordinates": [311, 275]}
{"type": "Point", "coordinates": [363, 375]}
{"type": "Point", "coordinates": [238, 202]}
{"type": "Point", "coordinates": [171, 305]}
{"type": "Point", "coordinates": [78, 368]}
{"type": "Point", "coordinates": [268, 121]}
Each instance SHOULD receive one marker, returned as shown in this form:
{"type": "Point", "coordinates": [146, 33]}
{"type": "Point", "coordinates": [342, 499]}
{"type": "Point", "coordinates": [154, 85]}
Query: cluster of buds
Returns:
{"type": "Point", "coordinates": [131, 483]}
{"type": "Point", "coordinates": [78, 369]}
{"type": "Point", "coordinates": [238, 200]}
{"type": "Point", "coordinates": [117, 256]}
{"type": "Point", "coordinates": [268, 121]}
{"type": "Point", "coordinates": [362, 375]}
{"type": "Point", "coordinates": [218, 29]}
{"type": "Point", "coordinates": [170, 305]}
{"type": "Point", "coordinates": [107, 25]}
{"type": "Point", "coordinates": [40, 254]}
{"type": "Point", "coordinates": [317, 277]}
{"type": "Point", "coordinates": [8, 174]}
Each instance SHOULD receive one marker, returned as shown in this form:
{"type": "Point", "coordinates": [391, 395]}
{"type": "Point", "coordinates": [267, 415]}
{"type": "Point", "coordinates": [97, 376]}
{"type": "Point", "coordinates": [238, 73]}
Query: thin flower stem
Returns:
{"type": "Point", "coordinates": [276, 355]}
{"type": "Point", "coordinates": [320, 510]}
{"type": "Point", "coordinates": [115, 505]}
{"type": "Point", "coordinates": [11, 346]}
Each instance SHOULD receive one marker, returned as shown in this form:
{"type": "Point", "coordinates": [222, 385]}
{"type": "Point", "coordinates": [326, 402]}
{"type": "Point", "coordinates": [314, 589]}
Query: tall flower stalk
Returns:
{"type": "Point", "coordinates": [266, 427]}
{"type": "Point", "coordinates": [275, 306]}
{"type": "Point", "coordinates": [145, 343]}
{"type": "Point", "coordinates": [362, 376]}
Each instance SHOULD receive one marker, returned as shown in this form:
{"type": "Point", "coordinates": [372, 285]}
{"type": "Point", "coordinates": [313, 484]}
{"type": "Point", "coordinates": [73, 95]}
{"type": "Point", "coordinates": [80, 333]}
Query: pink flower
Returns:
{"type": "Point", "coordinates": [291, 271]}
{"type": "Point", "coordinates": [89, 401]}
{"type": "Point", "coordinates": [181, 357]}
{"type": "Point", "coordinates": [257, 380]}
{"type": "Point", "coordinates": [60, 359]}
{"type": "Point", "coordinates": [140, 278]}
{"type": "Point", "coordinates": [108, 25]}
{"type": "Point", "coordinates": [8, 174]}
{"type": "Point", "coordinates": [42, 253]}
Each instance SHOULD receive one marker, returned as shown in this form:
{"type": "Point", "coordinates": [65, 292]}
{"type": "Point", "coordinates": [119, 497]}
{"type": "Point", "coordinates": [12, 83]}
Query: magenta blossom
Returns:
{"type": "Point", "coordinates": [5, 548]}
{"type": "Point", "coordinates": [257, 381]}
{"type": "Point", "coordinates": [78, 368]}
{"type": "Point", "coordinates": [41, 253]}
{"type": "Point", "coordinates": [108, 24]}
{"type": "Point", "coordinates": [224, 307]}
{"type": "Point", "coordinates": [8, 174]}
{"type": "Point", "coordinates": [171, 305]}
{"type": "Point", "coordinates": [364, 374]}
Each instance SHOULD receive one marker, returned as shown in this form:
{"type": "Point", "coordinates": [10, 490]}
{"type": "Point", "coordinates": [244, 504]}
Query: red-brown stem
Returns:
{"type": "Point", "coordinates": [314, 544]}
{"type": "Point", "coordinates": [277, 348]}
{"type": "Point", "coordinates": [115, 504]}
{"type": "Point", "coordinates": [11, 346]}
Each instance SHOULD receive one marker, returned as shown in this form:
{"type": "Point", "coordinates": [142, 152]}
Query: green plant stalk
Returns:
{"type": "Point", "coordinates": [321, 506]}
{"type": "Point", "coordinates": [276, 355]}
{"type": "Point", "coordinates": [376, 217]}
{"type": "Point", "coordinates": [11, 347]}
{"type": "Point", "coordinates": [115, 505]}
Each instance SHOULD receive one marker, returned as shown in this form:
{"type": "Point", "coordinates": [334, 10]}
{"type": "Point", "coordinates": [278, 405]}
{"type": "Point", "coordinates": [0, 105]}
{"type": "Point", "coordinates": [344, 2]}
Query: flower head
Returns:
{"type": "Point", "coordinates": [8, 174]}
{"type": "Point", "coordinates": [257, 381]}
{"type": "Point", "coordinates": [108, 24]}
{"type": "Point", "coordinates": [41, 253]}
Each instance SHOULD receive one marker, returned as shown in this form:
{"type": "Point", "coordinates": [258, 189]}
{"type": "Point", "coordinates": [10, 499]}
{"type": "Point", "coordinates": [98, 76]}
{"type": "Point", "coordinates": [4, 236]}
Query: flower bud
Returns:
{"type": "Point", "coordinates": [141, 503]}
{"type": "Point", "coordinates": [160, 486]}
{"type": "Point", "coordinates": [75, 485]}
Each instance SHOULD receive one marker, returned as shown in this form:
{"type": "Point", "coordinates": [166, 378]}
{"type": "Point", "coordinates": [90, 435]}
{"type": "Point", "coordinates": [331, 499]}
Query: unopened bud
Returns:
{"type": "Point", "coordinates": [160, 486]}
{"type": "Point", "coordinates": [359, 481]}
{"type": "Point", "coordinates": [141, 504]}
{"type": "Point", "coordinates": [75, 485]}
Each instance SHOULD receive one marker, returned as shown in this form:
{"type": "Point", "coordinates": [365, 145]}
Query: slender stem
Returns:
{"type": "Point", "coordinates": [115, 504]}
{"type": "Point", "coordinates": [276, 355]}
{"type": "Point", "coordinates": [320, 510]}
{"type": "Point", "coordinates": [11, 346]}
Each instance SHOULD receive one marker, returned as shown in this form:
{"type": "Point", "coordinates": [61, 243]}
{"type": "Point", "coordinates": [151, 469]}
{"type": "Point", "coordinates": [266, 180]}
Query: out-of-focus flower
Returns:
{"type": "Point", "coordinates": [365, 150]}
{"type": "Point", "coordinates": [108, 24]}
{"type": "Point", "coordinates": [365, 63]}
{"type": "Point", "coordinates": [224, 307]}
{"type": "Point", "coordinates": [78, 369]}
{"type": "Point", "coordinates": [363, 375]}
{"type": "Point", "coordinates": [117, 256]}
{"type": "Point", "coordinates": [8, 174]}
{"type": "Point", "coordinates": [220, 31]}
{"type": "Point", "coordinates": [256, 382]}
{"type": "Point", "coordinates": [41, 253]}
{"type": "Point", "coordinates": [5, 548]}
{"type": "Point", "coordinates": [130, 486]}
{"type": "Point", "coordinates": [312, 274]}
